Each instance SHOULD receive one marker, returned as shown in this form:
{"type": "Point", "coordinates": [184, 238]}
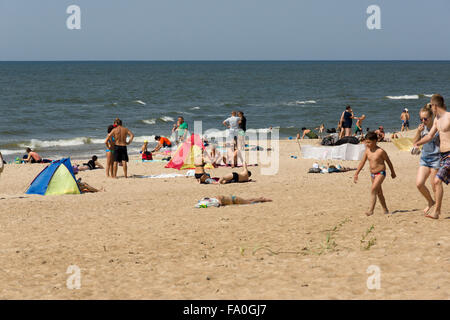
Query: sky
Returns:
{"type": "Point", "coordinates": [224, 30]}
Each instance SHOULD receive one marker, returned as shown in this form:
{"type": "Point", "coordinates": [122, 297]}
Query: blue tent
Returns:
{"type": "Point", "coordinates": [57, 178]}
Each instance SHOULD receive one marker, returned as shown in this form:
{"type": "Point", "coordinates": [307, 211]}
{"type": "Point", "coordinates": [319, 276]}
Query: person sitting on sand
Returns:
{"type": "Point", "coordinates": [33, 157]}
{"type": "Point", "coordinates": [91, 165]}
{"type": "Point", "coordinates": [308, 133]}
{"type": "Point", "coordinates": [242, 176]}
{"type": "Point", "coordinates": [199, 173]}
{"type": "Point", "coordinates": [380, 134]}
{"type": "Point", "coordinates": [228, 200]}
{"type": "Point", "coordinates": [163, 142]}
{"type": "Point", "coordinates": [377, 158]}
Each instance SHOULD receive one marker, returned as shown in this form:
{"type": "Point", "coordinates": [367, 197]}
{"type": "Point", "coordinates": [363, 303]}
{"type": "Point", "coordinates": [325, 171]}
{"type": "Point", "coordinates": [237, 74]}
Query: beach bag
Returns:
{"type": "Point", "coordinates": [207, 202]}
{"type": "Point", "coordinates": [348, 139]}
{"type": "Point", "coordinates": [147, 155]}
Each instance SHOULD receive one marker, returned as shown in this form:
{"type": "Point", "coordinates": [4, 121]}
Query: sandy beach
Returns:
{"type": "Point", "coordinates": [143, 238]}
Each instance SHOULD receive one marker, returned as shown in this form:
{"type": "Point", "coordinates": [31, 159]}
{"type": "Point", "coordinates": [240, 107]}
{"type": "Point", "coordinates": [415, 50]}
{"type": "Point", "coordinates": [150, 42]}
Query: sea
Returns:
{"type": "Point", "coordinates": [63, 109]}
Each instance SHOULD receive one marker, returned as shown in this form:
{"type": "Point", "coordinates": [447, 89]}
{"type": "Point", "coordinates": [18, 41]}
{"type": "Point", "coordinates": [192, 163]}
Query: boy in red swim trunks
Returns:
{"type": "Point", "coordinates": [377, 158]}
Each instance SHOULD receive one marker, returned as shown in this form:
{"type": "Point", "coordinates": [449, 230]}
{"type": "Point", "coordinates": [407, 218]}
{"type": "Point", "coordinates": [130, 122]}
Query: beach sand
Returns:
{"type": "Point", "coordinates": [143, 238]}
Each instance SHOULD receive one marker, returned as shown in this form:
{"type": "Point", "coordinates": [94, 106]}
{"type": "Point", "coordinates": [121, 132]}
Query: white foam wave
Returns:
{"type": "Point", "coordinates": [405, 97]}
{"type": "Point", "coordinates": [35, 143]}
{"type": "Point", "coordinates": [149, 121]}
{"type": "Point", "coordinates": [9, 152]}
{"type": "Point", "coordinates": [167, 119]}
{"type": "Point", "coordinates": [298, 102]}
{"type": "Point", "coordinates": [195, 108]}
{"type": "Point", "coordinates": [428, 95]}
{"type": "Point", "coordinates": [140, 102]}
{"type": "Point", "coordinates": [143, 138]}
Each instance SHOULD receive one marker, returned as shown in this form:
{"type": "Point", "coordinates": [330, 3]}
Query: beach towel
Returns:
{"type": "Point", "coordinates": [404, 144]}
{"type": "Point", "coordinates": [343, 152]}
{"type": "Point", "coordinates": [159, 176]}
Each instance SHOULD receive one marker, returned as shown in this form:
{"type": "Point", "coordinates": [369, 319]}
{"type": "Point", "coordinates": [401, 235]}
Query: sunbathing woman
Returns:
{"type": "Point", "coordinates": [228, 200]}
{"type": "Point", "coordinates": [242, 176]}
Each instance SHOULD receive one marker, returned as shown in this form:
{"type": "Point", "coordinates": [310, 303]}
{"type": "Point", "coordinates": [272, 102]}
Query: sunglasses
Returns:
{"type": "Point", "coordinates": [423, 119]}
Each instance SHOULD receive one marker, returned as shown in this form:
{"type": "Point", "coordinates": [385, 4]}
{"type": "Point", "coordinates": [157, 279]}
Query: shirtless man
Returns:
{"type": "Point", "coordinates": [33, 157]}
{"type": "Point", "coordinates": [120, 147]}
{"type": "Point", "coordinates": [242, 176]}
{"type": "Point", "coordinates": [441, 124]}
{"type": "Point", "coordinates": [405, 120]}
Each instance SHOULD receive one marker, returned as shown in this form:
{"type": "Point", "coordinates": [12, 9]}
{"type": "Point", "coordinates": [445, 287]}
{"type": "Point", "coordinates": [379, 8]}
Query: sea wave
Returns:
{"type": "Point", "coordinates": [300, 102]}
{"type": "Point", "coordinates": [140, 102]}
{"type": "Point", "coordinates": [166, 119]}
{"type": "Point", "coordinates": [36, 143]}
{"type": "Point", "coordinates": [195, 108]}
{"type": "Point", "coordinates": [427, 95]}
{"type": "Point", "coordinates": [149, 121]}
{"type": "Point", "coordinates": [405, 97]}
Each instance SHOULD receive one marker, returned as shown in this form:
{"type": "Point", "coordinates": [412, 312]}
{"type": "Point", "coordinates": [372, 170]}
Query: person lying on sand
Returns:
{"type": "Point", "coordinates": [242, 176]}
{"type": "Point", "coordinates": [85, 188]}
{"type": "Point", "coordinates": [91, 165]}
{"type": "Point", "coordinates": [228, 200]}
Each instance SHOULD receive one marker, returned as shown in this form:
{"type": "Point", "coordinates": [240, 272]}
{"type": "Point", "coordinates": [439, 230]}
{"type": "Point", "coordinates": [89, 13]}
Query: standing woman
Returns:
{"type": "Point", "coordinates": [429, 160]}
{"type": "Point", "coordinates": [109, 154]}
{"type": "Point", "coordinates": [346, 122]}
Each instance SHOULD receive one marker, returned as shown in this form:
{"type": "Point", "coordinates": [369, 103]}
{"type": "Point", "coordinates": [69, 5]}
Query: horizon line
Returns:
{"type": "Point", "coordinates": [229, 60]}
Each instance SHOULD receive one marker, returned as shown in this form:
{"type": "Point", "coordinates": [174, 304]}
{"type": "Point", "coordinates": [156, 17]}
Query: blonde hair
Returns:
{"type": "Point", "coordinates": [427, 108]}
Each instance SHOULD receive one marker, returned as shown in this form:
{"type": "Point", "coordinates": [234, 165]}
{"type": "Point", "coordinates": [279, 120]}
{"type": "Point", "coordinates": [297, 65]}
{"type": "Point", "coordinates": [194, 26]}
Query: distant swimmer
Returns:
{"type": "Point", "coordinates": [120, 135]}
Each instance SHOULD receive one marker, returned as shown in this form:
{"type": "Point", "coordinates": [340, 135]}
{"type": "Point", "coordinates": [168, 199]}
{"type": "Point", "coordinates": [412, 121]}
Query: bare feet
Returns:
{"type": "Point", "coordinates": [369, 213]}
{"type": "Point", "coordinates": [425, 211]}
{"type": "Point", "coordinates": [386, 211]}
{"type": "Point", "coordinates": [434, 215]}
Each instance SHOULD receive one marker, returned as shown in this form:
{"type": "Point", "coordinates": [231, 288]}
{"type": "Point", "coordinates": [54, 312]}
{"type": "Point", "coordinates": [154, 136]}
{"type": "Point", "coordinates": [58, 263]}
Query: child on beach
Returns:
{"type": "Point", "coordinates": [377, 158]}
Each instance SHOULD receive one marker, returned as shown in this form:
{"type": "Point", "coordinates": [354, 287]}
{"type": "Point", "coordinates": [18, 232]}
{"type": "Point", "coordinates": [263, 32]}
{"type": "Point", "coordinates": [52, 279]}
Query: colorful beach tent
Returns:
{"type": "Point", "coordinates": [184, 157]}
{"type": "Point", "coordinates": [56, 178]}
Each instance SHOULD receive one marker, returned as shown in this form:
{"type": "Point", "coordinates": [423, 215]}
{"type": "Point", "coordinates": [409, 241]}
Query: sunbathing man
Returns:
{"type": "Point", "coordinates": [441, 124]}
{"type": "Point", "coordinates": [163, 143]}
{"type": "Point", "coordinates": [242, 176]}
{"type": "Point", "coordinates": [380, 134]}
{"type": "Point", "coordinates": [120, 135]}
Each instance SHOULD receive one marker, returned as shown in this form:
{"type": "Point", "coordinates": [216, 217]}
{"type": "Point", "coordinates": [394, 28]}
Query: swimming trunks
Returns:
{"type": "Point", "coordinates": [235, 177]}
{"type": "Point", "coordinates": [373, 175]}
{"type": "Point", "coordinates": [91, 164]}
{"type": "Point", "coordinates": [405, 123]}
{"type": "Point", "coordinates": [444, 171]}
{"type": "Point", "coordinates": [120, 154]}
{"type": "Point", "coordinates": [357, 130]}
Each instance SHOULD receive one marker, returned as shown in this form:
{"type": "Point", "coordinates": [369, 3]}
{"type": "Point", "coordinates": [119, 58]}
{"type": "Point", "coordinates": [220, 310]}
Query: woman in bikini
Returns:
{"type": "Point", "coordinates": [109, 154]}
